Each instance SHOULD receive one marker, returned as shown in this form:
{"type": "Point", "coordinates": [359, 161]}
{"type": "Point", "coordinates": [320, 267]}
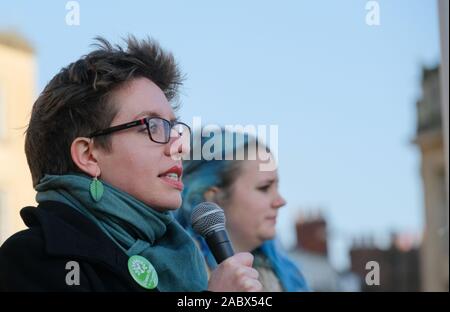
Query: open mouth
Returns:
{"type": "Point", "coordinates": [173, 176]}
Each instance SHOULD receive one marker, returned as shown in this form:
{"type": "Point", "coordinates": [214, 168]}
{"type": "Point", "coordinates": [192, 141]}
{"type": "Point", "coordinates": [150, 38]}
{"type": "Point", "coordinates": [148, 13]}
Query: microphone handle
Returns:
{"type": "Point", "coordinates": [220, 245]}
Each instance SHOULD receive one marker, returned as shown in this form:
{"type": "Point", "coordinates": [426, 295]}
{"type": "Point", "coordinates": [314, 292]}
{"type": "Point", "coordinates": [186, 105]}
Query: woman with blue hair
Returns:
{"type": "Point", "coordinates": [250, 199]}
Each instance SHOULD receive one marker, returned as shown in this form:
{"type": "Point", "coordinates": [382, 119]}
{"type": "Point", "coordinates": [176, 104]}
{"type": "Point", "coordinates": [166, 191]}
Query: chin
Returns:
{"type": "Point", "coordinates": [269, 234]}
{"type": "Point", "coordinates": [166, 202]}
{"type": "Point", "coordinates": [173, 207]}
{"type": "Point", "coordinates": [173, 203]}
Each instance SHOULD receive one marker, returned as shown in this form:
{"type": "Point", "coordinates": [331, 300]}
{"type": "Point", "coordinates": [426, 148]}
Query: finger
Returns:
{"type": "Point", "coordinates": [244, 258]}
{"type": "Point", "coordinates": [252, 285]}
{"type": "Point", "coordinates": [252, 273]}
{"type": "Point", "coordinates": [243, 272]}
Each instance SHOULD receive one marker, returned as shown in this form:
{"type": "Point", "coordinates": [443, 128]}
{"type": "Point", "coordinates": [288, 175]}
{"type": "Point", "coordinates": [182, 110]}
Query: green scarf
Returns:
{"type": "Point", "coordinates": [135, 227]}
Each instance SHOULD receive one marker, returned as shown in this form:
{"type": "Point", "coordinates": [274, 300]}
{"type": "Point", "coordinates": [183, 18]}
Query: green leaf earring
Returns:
{"type": "Point", "coordinates": [96, 189]}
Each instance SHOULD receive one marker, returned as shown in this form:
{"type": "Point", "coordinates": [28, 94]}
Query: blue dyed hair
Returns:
{"type": "Point", "coordinates": [202, 174]}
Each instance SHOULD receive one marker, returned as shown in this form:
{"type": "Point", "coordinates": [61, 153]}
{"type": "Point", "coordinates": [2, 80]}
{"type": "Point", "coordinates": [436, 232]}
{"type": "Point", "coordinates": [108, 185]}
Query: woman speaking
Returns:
{"type": "Point", "coordinates": [103, 146]}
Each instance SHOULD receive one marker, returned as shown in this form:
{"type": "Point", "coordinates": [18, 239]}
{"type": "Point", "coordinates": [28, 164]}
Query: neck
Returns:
{"type": "Point", "coordinates": [242, 245]}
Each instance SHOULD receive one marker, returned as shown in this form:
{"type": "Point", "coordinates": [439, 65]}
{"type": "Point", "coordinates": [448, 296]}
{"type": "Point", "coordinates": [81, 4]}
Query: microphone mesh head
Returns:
{"type": "Point", "coordinates": [207, 217]}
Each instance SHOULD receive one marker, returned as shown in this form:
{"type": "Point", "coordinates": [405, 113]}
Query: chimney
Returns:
{"type": "Point", "coordinates": [312, 235]}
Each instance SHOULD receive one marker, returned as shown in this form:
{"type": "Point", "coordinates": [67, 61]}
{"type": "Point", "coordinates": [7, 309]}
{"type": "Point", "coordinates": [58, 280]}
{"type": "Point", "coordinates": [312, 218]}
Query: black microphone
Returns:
{"type": "Point", "coordinates": [208, 220]}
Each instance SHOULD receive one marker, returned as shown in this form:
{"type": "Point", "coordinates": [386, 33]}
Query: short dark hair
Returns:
{"type": "Point", "coordinates": [78, 100]}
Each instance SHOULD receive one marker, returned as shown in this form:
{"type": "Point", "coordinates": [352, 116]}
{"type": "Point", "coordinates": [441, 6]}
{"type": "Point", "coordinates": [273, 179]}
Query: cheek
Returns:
{"type": "Point", "coordinates": [258, 201]}
{"type": "Point", "coordinates": [142, 172]}
{"type": "Point", "coordinates": [134, 169]}
{"type": "Point", "coordinates": [137, 155]}
{"type": "Point", "coordinates": [243, 210]}
{"type": "Point", "coordinates": [130, 169]}
{"type": "Point", "coordinates": [132, 165]}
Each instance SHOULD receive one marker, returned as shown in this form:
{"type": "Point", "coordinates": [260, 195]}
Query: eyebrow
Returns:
{"type": "Point", "coordinates": [270, 181]}
{"type": "Point", "coordinates": [148, 113]}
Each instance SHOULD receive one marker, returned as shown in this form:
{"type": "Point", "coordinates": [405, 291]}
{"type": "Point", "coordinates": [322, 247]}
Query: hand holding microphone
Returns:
{"type": "Point", "coordinates": [235, 272]}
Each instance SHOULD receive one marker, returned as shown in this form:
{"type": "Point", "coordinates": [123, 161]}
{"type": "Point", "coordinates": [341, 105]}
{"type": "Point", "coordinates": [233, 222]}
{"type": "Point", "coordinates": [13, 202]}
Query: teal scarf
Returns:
{"type": "Point", "coordinates": [135, 227]}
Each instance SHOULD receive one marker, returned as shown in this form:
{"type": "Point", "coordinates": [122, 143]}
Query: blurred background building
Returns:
{"type": "Point", "coordinates": [435, 248]}
{"type": "Point", "coordinates": [432, 139]}
{"type": "Point", "coordinates": [408, 264]}
{"type": "Point", "coordinates": [399, 264]}
{"type": "Point", "coordinates": [17, 87]}
{"type": "Point", "coordinates": [311, 255]}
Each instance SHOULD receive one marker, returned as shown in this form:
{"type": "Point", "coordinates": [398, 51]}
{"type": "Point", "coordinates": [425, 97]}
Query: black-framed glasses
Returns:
{"type": "Point", "coordinates": [159, 129]}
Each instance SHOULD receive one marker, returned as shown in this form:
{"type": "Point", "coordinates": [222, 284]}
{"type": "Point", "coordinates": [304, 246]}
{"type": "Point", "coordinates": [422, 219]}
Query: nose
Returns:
{"type": "Point", "coordinates": [178, 146]}
{"type": "Point", "coordinates": [278, 202]}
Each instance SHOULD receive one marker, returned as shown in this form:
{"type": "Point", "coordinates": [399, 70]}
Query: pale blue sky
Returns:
{"type": "Point", "coordinates": [343, 93]}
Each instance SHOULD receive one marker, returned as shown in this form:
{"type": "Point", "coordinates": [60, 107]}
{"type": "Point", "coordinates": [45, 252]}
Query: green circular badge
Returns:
{"type": "Point", "coordinates": [143, 272]}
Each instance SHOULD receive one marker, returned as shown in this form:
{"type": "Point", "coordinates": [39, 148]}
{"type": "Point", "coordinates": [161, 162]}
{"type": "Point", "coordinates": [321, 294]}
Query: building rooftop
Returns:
{"type": "Point", "coordinates": [16, 41]}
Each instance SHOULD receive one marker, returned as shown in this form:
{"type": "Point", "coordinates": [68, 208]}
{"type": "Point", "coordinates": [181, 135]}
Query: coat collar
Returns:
{"type": "Point", "coordinates": [68, 233]}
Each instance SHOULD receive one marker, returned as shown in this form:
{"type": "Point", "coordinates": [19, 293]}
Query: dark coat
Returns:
{"type": "Point", "coordinates": [35, 259]}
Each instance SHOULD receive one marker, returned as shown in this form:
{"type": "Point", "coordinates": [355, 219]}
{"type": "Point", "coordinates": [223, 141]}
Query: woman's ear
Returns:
{"type": "Point", "coordinates": [82, 152]}
{"type": "Point", "coordinates": [211, 194]}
